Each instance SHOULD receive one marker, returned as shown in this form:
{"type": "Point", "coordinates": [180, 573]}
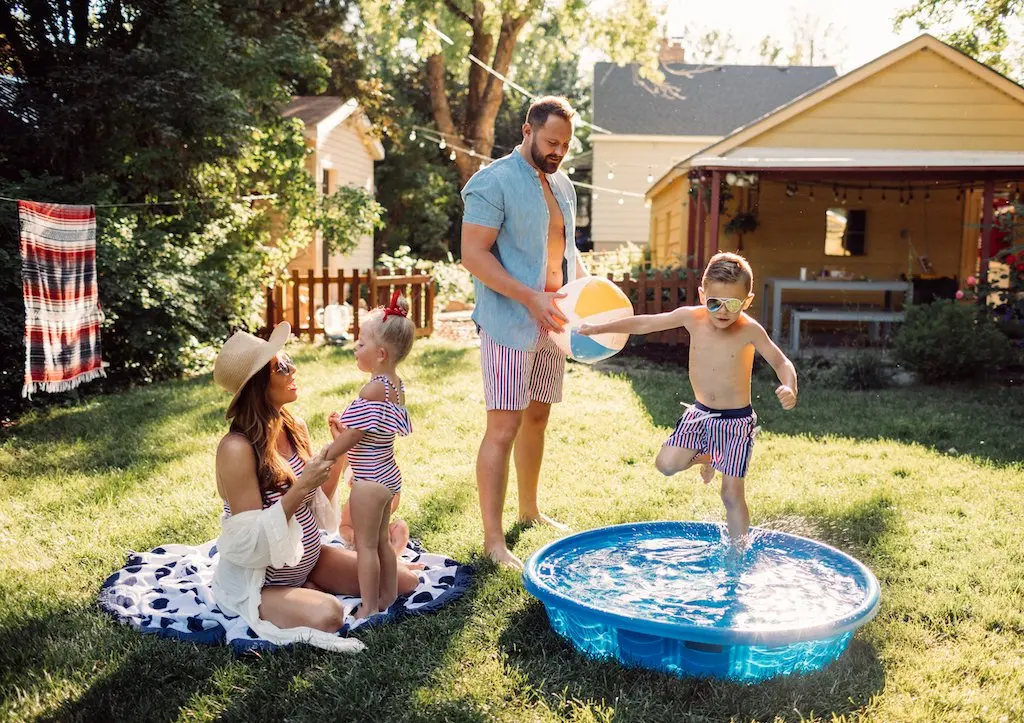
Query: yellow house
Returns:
{"type": "Point", "coordinates": [655, 126]}
{"type": "Point", "coordinates": [889, 173]}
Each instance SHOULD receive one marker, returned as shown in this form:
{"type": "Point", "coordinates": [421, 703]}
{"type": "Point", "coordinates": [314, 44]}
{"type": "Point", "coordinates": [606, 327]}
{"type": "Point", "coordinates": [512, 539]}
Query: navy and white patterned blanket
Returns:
{"type": "Point", "coordinates": [167, 592]}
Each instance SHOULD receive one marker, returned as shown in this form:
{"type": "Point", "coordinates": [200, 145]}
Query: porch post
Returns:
{"type": "Point", "coordinates": [986, 229]}
{"type": "Point", "coordinates": [716, 199]}
{"type": "Point", "coordinates": [699, 247]}
{"type": "Point", "coordinates": [691, 236]}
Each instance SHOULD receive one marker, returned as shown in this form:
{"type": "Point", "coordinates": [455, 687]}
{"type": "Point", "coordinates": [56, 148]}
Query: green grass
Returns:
{"type": "Point", "coordinates": [923, 485]}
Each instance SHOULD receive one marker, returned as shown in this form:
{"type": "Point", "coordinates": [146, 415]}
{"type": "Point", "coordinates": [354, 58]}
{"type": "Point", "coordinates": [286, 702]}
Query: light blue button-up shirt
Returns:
{"type": "Point", "coordinates": [507, 195]}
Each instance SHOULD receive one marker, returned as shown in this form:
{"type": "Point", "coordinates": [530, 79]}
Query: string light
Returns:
{"type": "Point", "coordinates": [412, 135]}
{"type": "Point", "coordinates": [611, 175]}
{"type": "Point", "coordinates": [572, 170]}
{"type": "Point", "coordinates": [650, 174]}
{"type": "Point", "coordinates": [621, 200]}
{"type": "Point", "coordinates": [451, 156]}
{"type": "Point", "coordinates": [442, 145]}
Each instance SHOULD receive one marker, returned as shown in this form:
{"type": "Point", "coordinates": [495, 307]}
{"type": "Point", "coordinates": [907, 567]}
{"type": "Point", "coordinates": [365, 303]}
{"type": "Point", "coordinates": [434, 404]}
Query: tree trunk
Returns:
{"type": "Point", "coordinates": [484, 92]}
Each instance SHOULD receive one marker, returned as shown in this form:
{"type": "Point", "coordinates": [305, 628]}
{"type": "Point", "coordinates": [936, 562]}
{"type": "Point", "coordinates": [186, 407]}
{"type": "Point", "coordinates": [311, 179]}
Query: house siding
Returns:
{"type": "Point", "coordinates": [923, 102]}
{"type": "Point", "coordinates": [631, 161]}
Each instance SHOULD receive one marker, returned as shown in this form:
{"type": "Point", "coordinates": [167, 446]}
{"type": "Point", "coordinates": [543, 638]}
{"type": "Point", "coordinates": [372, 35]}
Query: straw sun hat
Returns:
{"type": "Point", "coordinates": [243, 355]}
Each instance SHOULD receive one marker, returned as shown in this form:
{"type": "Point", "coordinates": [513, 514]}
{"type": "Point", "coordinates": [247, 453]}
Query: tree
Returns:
{"type": "Point", "coordinates": [709, 46]}
{"type": "Point", "coordinates": [987, 30]}
{"type": "Point", "coordinates": [465, 98]}
{"type": "Point", "coordinates": [175, 101]}
{"type": "Point", "coordinates": [812, 42]}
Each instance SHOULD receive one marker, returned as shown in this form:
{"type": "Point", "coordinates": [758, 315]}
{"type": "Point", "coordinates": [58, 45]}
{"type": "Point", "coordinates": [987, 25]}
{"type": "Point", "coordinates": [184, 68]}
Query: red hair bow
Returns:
{"type": "Point", "coordinates": [393, 309]}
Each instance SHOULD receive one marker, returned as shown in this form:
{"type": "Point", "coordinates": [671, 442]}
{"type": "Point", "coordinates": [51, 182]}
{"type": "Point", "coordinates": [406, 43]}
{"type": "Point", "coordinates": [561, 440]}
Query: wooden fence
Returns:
{"type": "Point", "coordinates": [296, 299]}
{"type": "Point", "coordinates": [653, 292]}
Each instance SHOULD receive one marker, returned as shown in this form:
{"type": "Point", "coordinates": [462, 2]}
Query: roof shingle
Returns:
{"type": "Point", "coordinates": [708, 100]}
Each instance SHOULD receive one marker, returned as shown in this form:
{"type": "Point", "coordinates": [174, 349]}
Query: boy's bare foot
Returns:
{"type": "Point", "coordinates": [504, 557]}
{"type": "Point", "coordinates": [542, 519]}
{"type": "Point", "coordinates": [707, 473]}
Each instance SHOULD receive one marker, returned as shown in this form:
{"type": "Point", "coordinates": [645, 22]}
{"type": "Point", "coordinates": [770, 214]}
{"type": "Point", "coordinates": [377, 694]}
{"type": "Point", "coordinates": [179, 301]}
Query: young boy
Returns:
{"type": "Point", "coordinates": [718, 431]}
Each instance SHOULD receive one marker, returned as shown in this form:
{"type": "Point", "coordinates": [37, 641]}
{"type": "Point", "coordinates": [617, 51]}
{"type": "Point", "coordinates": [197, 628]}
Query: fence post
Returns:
{"type": "Point", "coordinates": [641, 288]}
{"type": "Point", "coordinates": [325, 289]}
{"type": "Point", "coordinates": [661, 337]}
{"type": "Point", "coordinates": [270, 308]}
{"type": "Point", "coordinates": [354, 301]}
{"type": "Point", "coordinates": [428, 322]}
{"type": "Point", "coordinates": [295, 302]}
{"type": "Point", "coordinates": [417, 305]}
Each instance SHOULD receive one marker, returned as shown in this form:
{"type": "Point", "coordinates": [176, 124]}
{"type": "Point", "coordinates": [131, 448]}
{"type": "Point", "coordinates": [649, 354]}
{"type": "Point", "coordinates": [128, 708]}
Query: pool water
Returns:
{"type": "Point", "coordinates": [679, 590]}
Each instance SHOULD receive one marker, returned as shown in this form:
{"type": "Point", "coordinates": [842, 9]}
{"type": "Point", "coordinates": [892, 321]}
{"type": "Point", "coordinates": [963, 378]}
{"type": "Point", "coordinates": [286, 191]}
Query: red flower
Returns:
{"type": "Point", "coordinates": [1020, 267]}
{"type": "Point", "coordinates": [1010, 260]}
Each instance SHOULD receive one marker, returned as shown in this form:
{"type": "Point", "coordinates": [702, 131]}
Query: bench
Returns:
{"type": "Point", "coordinates": [873, 317]}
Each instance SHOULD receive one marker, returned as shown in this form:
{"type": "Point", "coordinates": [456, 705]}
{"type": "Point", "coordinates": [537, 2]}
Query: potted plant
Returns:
{"type": "Point", "coordinates": [743, 222]}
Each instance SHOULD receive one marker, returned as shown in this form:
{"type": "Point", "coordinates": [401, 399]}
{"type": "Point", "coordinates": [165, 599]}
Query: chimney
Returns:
{"type": "Point", "coordinates": [671, 51]}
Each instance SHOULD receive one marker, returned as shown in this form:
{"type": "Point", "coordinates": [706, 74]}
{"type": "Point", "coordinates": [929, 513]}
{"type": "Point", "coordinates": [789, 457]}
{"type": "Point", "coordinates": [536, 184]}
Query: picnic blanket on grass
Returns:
{"type": "Point", "coordinates": [167, 592]}
{"type": "Point", "coordinates": [62, 309]}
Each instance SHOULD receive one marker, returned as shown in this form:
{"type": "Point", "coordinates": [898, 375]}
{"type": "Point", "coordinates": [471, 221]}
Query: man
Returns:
{"type": "Point", "coordinates": [518, 242]}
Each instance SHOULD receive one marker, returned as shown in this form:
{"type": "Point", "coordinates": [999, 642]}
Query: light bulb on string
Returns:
{"type": "Point", "coordinates": [844, 196]}
{"type": "Point", "coordinates": [611, 175]}
{"type": "Point", "coordinates": [621, 200]}
{"type": "Point", "coordinates": [422, 144]}
{"type": "Point", "coordinates": [572, 170]}
{"type": "Point", "coordinates": [451, 156]}
{"type": "Point", "coordinates": [647, 203]}
{"type": "Point", "coordinates": [443, 144]}
{"type": "Point", "coordinates": [594, 196]}
{"type": "Point", "coordinates": [650, 174]}
{"type": "Point", "coordinates": [412, 135]}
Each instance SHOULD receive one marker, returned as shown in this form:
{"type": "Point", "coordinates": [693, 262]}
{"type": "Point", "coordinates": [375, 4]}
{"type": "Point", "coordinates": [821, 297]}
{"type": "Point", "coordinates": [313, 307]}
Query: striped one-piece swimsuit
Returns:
{"type": "Point", "coordinates": [374, 457]}
{"type": "Point", "coordinates": [295, 576]}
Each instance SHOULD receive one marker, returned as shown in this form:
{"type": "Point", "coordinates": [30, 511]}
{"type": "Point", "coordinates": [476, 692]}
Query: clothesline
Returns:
{"type": "Point", "coordinates": [184, 202]}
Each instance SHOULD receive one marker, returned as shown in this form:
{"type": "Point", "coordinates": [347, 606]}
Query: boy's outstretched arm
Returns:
{"type": "Point", "coordinates": [783, 367]}
{"type": "Point", "coordinates": [642, 324]}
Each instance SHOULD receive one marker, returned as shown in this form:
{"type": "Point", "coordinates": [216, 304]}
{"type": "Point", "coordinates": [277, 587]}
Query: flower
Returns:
{"type": "Point", "coordinates": [1010, 260]}
{"type": "Point", "coordinates": [959, 294]}
{"type": "Point", "coordinates": [971, 281]}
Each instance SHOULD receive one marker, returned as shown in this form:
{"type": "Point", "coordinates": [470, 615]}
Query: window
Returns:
{"type": "Point", "coordinates": [845, 231]}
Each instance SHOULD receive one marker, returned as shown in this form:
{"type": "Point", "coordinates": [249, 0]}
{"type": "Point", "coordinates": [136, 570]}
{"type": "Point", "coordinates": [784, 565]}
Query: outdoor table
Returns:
{"type": "Point", "coordinates": [779, 285]}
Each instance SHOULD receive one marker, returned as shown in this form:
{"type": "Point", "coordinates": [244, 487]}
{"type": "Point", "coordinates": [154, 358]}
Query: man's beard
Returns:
{"type": "Point", "coordinates": [542, 162]}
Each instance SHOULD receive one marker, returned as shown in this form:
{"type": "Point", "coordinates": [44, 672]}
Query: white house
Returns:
{"type": "Point", "coordinates": [344, 151]}
{"type": "Point", "coordinates": [655, 127]}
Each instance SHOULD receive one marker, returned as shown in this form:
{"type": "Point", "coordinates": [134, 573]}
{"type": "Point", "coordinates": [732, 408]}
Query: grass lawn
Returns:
{"type": "Point", "coordinates": [925, 486]}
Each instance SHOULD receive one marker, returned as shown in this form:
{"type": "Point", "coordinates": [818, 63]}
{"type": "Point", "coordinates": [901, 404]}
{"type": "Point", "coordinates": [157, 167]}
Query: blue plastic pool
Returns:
{"type": "Point", "coordinates": [674, 596]}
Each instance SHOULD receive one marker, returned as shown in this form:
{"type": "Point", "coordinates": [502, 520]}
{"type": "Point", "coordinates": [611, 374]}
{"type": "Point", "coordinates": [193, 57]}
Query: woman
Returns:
{"type": "Point", "coordinates": [273, 570]}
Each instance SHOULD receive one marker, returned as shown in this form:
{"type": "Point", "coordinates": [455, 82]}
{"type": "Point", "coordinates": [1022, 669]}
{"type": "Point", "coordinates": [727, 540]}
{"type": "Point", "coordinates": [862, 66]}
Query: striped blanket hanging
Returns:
{"type": "Point", "coordinates": [62, 310]}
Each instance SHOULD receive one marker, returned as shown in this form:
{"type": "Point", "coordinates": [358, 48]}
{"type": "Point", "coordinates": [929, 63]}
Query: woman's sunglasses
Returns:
{"type": "Point", "coordinates": [714, 303]}
{"type": "Point", "coordinates": [284, 365]}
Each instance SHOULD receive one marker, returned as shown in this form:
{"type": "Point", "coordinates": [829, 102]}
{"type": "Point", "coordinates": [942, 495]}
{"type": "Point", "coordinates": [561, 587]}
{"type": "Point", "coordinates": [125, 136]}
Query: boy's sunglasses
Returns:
{"type": "Point", "coordinates": [283, 364]}
{"type": "Point", "coordinates": [714, 303]}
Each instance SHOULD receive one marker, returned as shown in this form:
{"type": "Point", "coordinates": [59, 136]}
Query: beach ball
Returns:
{"type": "Point", "coordinates": [591, 300]}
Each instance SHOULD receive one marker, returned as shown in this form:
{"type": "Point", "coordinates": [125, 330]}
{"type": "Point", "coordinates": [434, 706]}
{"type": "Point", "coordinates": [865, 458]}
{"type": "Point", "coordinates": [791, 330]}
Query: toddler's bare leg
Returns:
{"type": "Point", "coordinates": [370, 502]}
{"type": "Point", "coordinates": [388, 564]}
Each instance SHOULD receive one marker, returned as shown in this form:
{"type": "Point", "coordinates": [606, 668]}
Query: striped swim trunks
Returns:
{"type": "Point", "coordinates": [513, 378]}
{"type": "Point", "coordinates": [726, 435]}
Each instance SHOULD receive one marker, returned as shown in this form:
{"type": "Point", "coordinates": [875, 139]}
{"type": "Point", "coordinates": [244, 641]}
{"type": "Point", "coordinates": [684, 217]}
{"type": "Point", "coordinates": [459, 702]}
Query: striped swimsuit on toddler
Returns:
{"type": "Point", "coordinates": [373, 458]}
{"type": "Point", "coordinates": [295, 576]}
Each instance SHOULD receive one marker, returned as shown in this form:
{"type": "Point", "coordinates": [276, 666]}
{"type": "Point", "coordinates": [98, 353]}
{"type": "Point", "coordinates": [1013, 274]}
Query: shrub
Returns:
{"type": "Point", "coordinates": [861, 370]}
{"type": "Point", "coordinates": [949, 341]}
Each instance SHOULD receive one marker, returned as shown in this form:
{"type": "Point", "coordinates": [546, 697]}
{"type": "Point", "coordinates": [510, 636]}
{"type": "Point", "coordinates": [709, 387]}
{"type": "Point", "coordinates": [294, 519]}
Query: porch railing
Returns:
{"type": "Point", "coordinates": [297, 298]}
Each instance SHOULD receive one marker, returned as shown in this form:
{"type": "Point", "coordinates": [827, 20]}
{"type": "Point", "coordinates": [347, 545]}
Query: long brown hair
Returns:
{"type": "Point", "coordinates": [255, 418]}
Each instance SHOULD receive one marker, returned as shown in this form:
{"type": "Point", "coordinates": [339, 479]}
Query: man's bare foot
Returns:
{"type": "Point", "coordinates": [707, 473]}
{"type": "Point", "coordinates": [504, 557]}
{"type": "Point", "coordinates": [542, 519]}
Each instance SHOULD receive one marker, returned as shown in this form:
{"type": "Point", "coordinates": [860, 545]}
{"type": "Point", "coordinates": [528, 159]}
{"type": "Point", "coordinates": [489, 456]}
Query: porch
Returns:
{"type": "Point", "coordinates": [843, 236]}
